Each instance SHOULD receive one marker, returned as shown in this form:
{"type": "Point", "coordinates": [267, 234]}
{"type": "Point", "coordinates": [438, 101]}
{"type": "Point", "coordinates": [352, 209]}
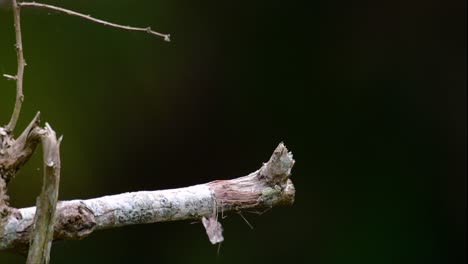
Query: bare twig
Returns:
{"type": "Point", "coordinates": [166, 37]}
{"type": "Point", "coordinates": [20, 72]}
{"type": "Point", "coordinates": [264, 188]}
{"type": "Point", "coordinates": [44, 219]}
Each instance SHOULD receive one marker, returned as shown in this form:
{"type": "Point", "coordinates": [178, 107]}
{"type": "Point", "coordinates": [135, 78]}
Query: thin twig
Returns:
{"type": "Point", "coordinates": [148, 30]}
{"type": "Point", "coordinates": [245, 219]}
{"type": "Point", "coordinates": [20, 72]}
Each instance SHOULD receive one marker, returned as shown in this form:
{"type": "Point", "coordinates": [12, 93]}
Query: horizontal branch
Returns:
{"type": "Point", "coordinates": [148, 30]}
{"type": "Point", "coordinates": [76, 219]}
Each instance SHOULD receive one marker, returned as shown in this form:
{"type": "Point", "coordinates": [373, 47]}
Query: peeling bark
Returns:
{"type": "Point", "coordinates": [267, 187]}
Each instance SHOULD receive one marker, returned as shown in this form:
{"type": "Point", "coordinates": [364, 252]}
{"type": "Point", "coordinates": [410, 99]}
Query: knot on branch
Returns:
{"type": "Point", "coordinates": [74, 222]}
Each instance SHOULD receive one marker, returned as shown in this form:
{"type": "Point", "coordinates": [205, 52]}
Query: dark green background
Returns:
{"type": "Point", "coordinates": [369, 96]}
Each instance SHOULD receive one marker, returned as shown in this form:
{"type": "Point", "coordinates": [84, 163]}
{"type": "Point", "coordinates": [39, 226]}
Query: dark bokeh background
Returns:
{"type": "Point", "coordinates": [369, 96]}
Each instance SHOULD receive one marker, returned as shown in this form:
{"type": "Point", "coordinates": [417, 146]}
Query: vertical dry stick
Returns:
{"type": "Point", "coordinates": [42, 235]}
{"type": "Point", "coordinates": [20, 72]}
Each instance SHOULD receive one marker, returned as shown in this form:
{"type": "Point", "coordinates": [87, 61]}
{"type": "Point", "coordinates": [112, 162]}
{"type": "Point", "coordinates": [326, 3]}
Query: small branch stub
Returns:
{"type": "Point", "coordinates": [10, 77]}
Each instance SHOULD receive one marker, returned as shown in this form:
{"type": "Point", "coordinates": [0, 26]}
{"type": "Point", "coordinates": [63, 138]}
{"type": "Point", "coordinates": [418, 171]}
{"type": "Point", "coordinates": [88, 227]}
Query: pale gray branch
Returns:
{"type": "Point", "coordinates": [267, 187]}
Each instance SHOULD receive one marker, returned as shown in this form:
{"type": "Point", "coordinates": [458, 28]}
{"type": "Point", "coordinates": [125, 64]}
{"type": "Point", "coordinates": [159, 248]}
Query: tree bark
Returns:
{"type": "Point", "coordinates": [267, 187]}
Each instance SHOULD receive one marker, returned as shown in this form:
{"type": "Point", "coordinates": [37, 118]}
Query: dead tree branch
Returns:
{"type": "Point", "coordinates": [267, 187]}
{"type": "Point", "coordinates": [44, 219]}
{"type": "Point", "coordinates": [34, 229]}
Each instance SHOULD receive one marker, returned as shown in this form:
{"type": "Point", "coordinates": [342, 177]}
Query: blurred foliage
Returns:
{"type": "Point", "coordinates": [369, 96]}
